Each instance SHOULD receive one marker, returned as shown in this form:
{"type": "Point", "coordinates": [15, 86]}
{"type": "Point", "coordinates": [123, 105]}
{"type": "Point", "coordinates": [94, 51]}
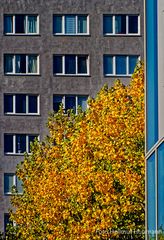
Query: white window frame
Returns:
{"type": "Point", "coordinates": [26, 17]}
{"type": "Point", "coordinates": [76, 20]}
{"type": "Point", "coordinates": [76, 100]}
{"type": "Point", "coordinates": [127, 25]}
{"type": "Point", "coordinates": [14, 182]}
{"type": "Point", "coordinates": [27, 101]}
{"type": "Point", "coordinates": [76, 63]}
{"type": "Point", "coordinates": [114, 65]}
{"type": "Point", "coordinates": [14, 143]}
{"type": "Point", "coordinates": [14, 64]}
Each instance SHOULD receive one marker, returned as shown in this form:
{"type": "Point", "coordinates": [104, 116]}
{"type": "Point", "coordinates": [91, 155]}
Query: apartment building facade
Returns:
{"type": "Point", "coordinates": [52, 52]}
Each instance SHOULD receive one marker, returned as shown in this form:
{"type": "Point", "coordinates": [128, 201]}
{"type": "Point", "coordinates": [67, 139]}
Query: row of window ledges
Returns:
{"type": "Point", "coordinates": [69, 64]}
{"type": "Point", "coordinates": [72, 24]}
{"type": "Point", "coordinates": [29, 104]}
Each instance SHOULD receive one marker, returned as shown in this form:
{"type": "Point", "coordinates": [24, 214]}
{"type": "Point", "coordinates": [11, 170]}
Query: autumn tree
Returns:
{"type": "Point", "coordinates": [86, 179]}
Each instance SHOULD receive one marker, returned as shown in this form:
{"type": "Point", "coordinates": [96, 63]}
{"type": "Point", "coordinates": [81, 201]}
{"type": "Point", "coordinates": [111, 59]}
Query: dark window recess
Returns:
{"type": "Point", "coordinates": [58, 64]}
{"type": "Point", "coordinates": [21, 63]}
{"type": "Point", "coordinates": [70, 64]}
{"type": "Point", "coordinates": [20, 103]}
{"type": "Point", "coordinates": [20, 143]}
{"type": "Point", "coordinates": [70, 103]}
{"type": "Point", "coordinates": [8, 103]}
{"type": "Point", "coordinates": [20, 23]}
{"type": "Point", "coordinates": [82, 64]}
{"type": "Point", "coordinates": [8, 143]}
{"type": "Point", "coordinates": [57, 100]}
{"type": "Point", "coordinates": [133, 24]}
{"type": "Point", "coordinates": [120, 24]}
{"type": "Point", "coordinates": [32, 104]}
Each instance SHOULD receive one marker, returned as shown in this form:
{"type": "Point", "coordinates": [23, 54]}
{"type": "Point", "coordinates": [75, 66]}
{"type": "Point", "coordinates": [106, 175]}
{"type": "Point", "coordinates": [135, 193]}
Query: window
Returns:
{"type": "Point", "coordinates": [70, 25]}
{"type": "Point", "coordinates": [21, 64]}
{"type": "Point", "coordinates": [21, 104]}
{"type": "Point", "coordinates": [121, 24]}
{"type": "Point", "coordinates": [71, 65]}
{"type": "Point", "coordinates": [11, 181]}
{"type": "Point", "coordinates": [69, 102]}
{"type": "Point", "coordinates": [120, 64]}
{"type": "Point", "coordinates": [21, 24]}
{"type": "Point", "coordinates": [18, 143]}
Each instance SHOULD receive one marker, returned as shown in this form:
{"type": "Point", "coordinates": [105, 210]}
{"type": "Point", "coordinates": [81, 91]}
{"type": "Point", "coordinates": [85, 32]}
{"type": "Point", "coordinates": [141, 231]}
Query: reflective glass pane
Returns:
{"type": "Point", "coordinates": [82, 64]}
{"type": "Point", "coordinates": [82, 101]}
{"type": "Point", "coordinates": [31, 138]}
{"type": "Point", "coordinates": [70, 64]}
{"type": "Point", "coordinates": [82, 24]}
{"type": "Point", "coordinates": [120, 24]}
{"type": "Point", "coordinates": [133, 24]}
{"type": "Point", "coordinates": [8, 182]}
{"type": "Point", "coordinates": [8, 63]}
{"type": "Point", "coordinates": [32, 24]}
{"type": "Point", "coordinates": [20, 143]}
{"type": "Point", "coordinates": [57, 100]}
{"type": "Point", "coordinates": [151, 198]}
{"type": "Point", "coordinates": [161, 187]}
{"type": "Point", "coordinates": [8, 143]}
{"type": "Point", "coordinates": [32, 64]}
{"type": "Point", "coordinates": [8, 103]}
{"type": "Point", "coordinates": [70, 103]}
{"type": "Point", "coordinates": [132, 63]}
{"type": "Point", "coordinates": [19, 185]}
{"type": "Point", "coordinates": [108, 65]}
{"type": "Point", "coordinates": [8, 24]}
{"type": "Point", "coordinates": [32, 104]}
{"type": "Point", "coordinates": [20, 63]}
{"type": "Point", "coordinates": [70, 24]}
{"type": "Point", "coordinates": [57, 24]}
{"type": "Point", "coordinates": [108, 24]}
{"type": "Point", "coordinates": [20, 103]}
{"type": "Point", "coordinates": [20, 24]}
{"type": "Point", "coordinates": [121, 65]}
{"type": "Point", "coordinates": [57, 68]}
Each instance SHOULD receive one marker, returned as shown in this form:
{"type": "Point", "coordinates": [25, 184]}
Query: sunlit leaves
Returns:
{"type": "Point", "coordinates": [88, 175]}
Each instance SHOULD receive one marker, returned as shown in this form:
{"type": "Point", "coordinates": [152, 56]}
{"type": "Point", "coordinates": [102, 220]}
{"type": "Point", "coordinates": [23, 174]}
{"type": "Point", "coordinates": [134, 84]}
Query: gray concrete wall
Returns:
{"type": "Point", "coordinates": [45, 44]}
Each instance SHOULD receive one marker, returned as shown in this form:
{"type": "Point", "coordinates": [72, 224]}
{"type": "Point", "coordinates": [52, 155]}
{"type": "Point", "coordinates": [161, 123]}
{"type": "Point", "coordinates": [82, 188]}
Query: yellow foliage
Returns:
{"type": "Point", "coordinates": [88, 176]}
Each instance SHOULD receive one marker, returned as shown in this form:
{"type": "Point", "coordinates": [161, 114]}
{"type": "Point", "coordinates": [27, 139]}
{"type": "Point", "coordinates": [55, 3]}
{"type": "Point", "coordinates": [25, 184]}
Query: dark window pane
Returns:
{"type": "Point", "coordinates": [32, 104]}
{"type": "Point", "coordinates": [8, 143]}
{"type": "Point", "coordinates": [8, 182]}
{"type": "Point", "coordinates": [108, 24]}
{"type": "Point", "coordinates": [32, 24]}
{"type": "Point", "coordinates": [20, 143]}
{"type": "Point", "coordinates": [133, 24]}
{"type": "Point", "coordinates": [82, 24]}
{"type": "Point", "coordinates": [8, 63]}
{"type": "Point", "coordinates": [57, 24]}
{"type": "Point", "coordinates": [132, 63]}
{"type": "Point", "coordinates": [8, 24]}
{"type": "Point", "coordinates": [82, 102]}
{"type": "Point", "coordinates": [8, 103]}
{"type": "Point", "coordinates": [21, 63]}
{"type": "Point", "coordinates": [82, 64]}
{"type": "Point", "coordinates": [57, 100]}
{"type": "Point", "coordinates": [31, 139]}
{"type": "Point", "coordinates": [120, 65]}
{"type": "Point", "coordinates": [70, 64]}
{"type": "Point", "coordinates": [108, 65]}
{"type": "Point", "coordinates": [70, 103]}
{"type": "Point", "coordinates": [70, 24]}
{"type": "Point", "coordinates": [7, 221]}
{"type": "Point", "coordinates": [120, 24]}
{"type": "Point", "coordinates": [57, 64]}
{"type": "Point", "coordinates": [20, 103]}
{"type": "Point", "coordinates": [20, 23]}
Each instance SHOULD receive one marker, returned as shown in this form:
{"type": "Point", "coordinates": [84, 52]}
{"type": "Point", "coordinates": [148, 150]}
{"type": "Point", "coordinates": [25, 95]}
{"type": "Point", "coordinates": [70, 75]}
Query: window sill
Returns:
{"type": "Point", "coordinates": [23, 34]}
{"type": "Point", "coordinates": [119, 75]}
{"type": "Point", "coordinates": [16, 154]}
{"type": "Point", "coordinates": [22, 114]}
{"type": "Point", "coordinates": [72, 75]}
{"type": "Point", "coordinates": [122, 35]}
{"type": "Point", "coordinates": [12, 194]}
{"type": "Point", "coordinates": [72, 35]}
{"type": "Point", "coordinates": [22, 74]}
